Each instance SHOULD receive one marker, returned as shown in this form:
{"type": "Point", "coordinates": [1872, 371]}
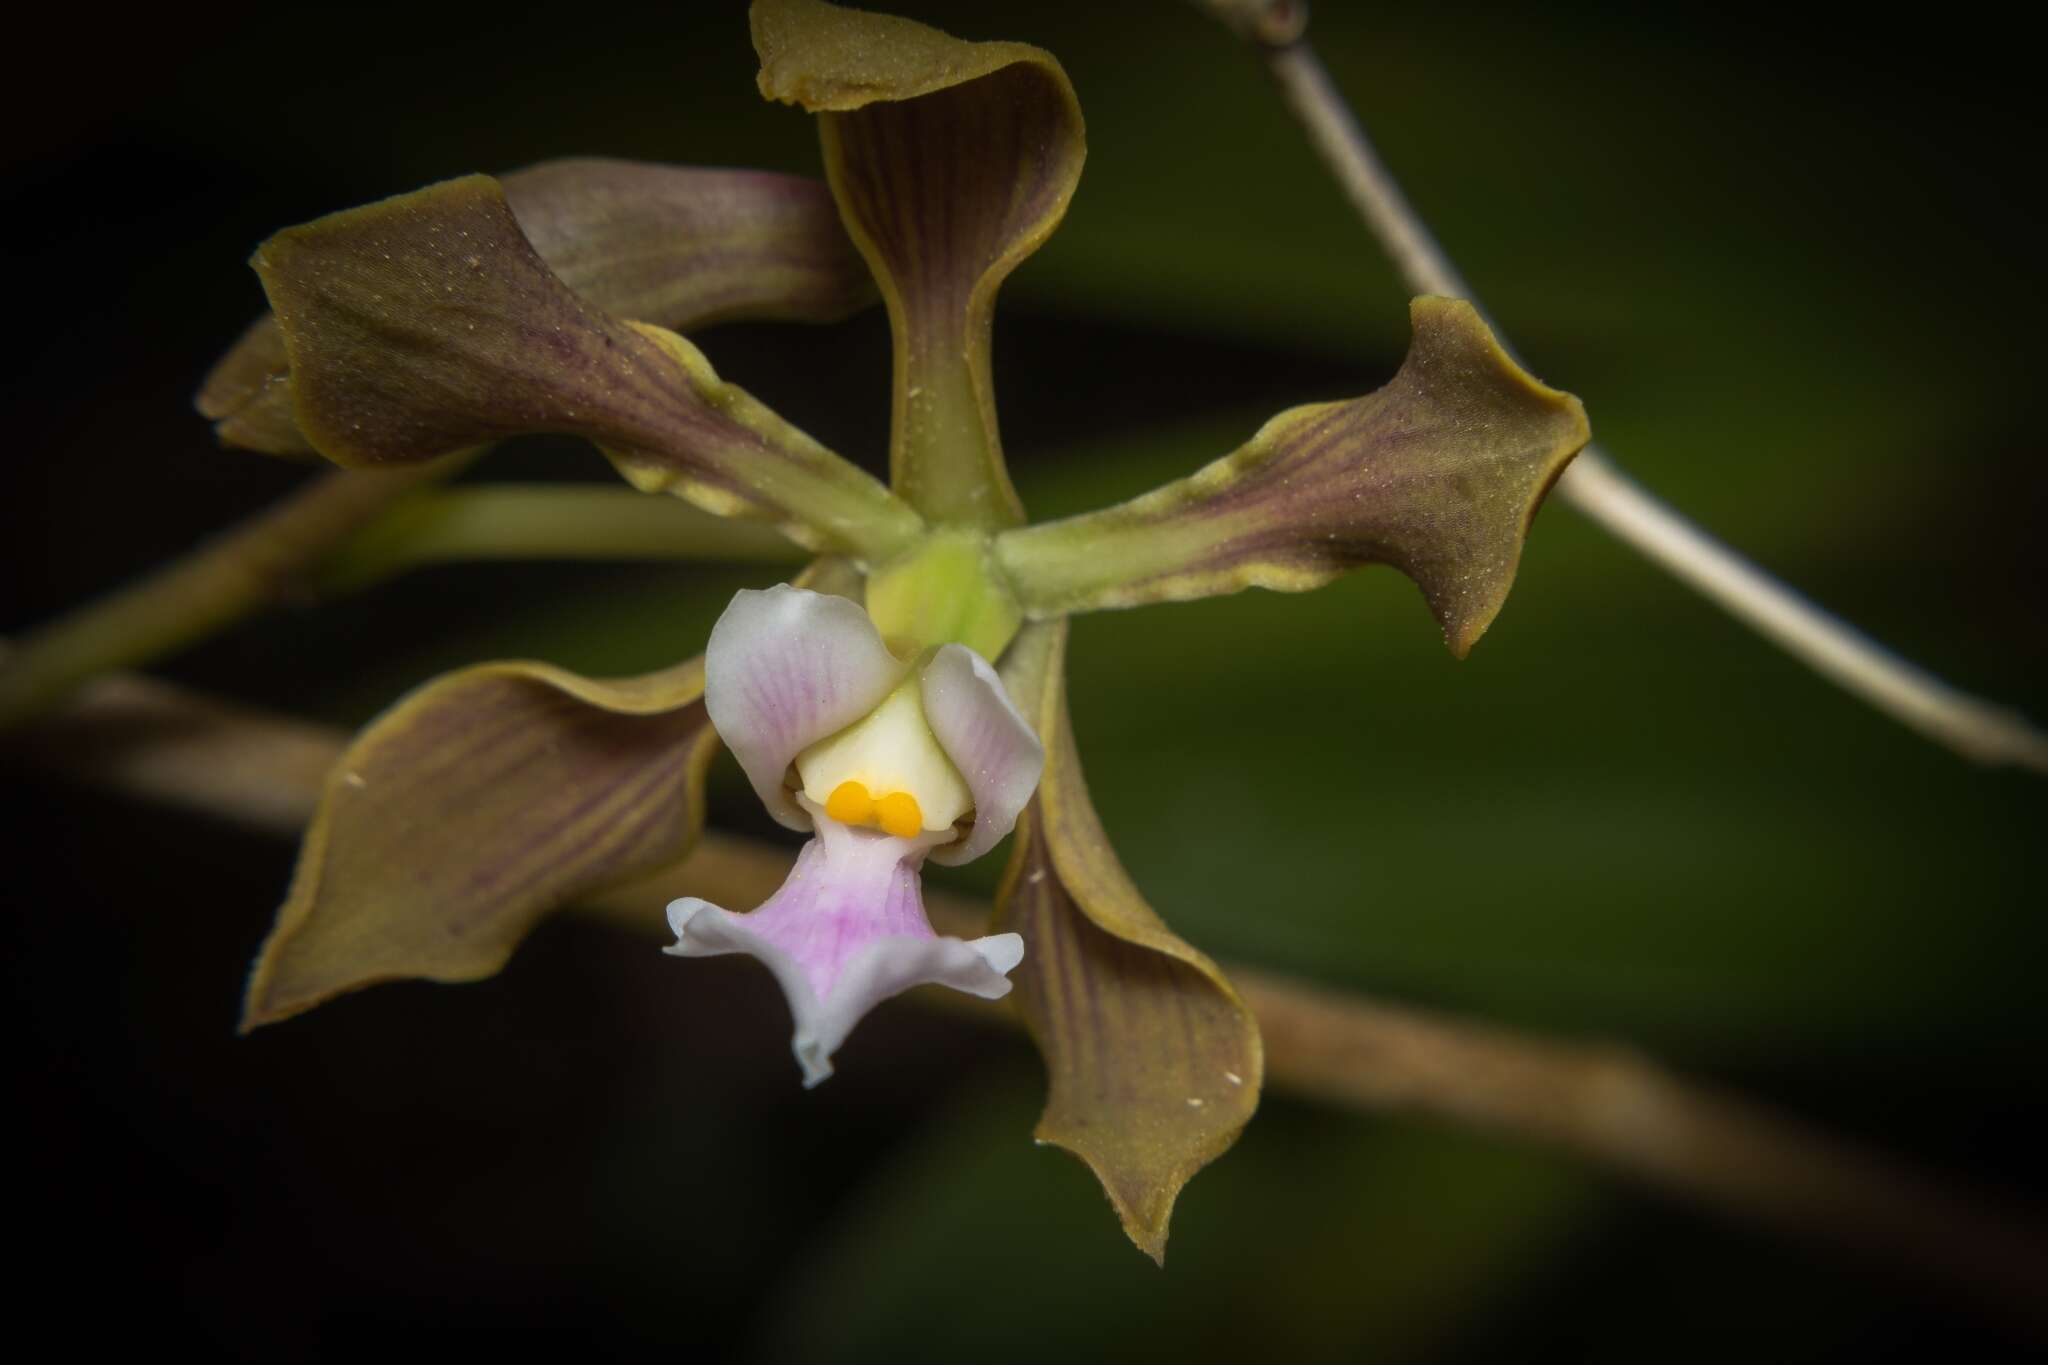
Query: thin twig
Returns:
{"type": "Point", "coordinates": [268, 559]}
{"type": "Point", "coordinates": [1620, 1109]}
{"type": "Point", "coordinates": [1602, 1103]}
{"type": "Point", "coordinates": [1969, 725]}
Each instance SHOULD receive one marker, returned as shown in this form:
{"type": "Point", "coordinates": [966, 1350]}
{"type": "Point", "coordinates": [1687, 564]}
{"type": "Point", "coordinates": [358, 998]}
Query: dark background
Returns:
{"type": "Point", "coordinates": [1792, 268]}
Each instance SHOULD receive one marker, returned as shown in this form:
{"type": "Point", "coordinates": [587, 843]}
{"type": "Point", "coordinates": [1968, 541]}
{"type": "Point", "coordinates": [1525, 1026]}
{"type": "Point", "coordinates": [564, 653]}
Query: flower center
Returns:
{"type": "Point", "coordinates": [896, 813]}
{"type": "Point", "coordinates": [887, 771]}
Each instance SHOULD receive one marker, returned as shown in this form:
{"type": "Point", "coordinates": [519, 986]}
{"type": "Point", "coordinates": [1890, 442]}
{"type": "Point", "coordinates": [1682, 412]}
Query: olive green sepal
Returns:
{"type": "Point", "coordinates": [471, 809]}
{"type": "Point", "coordinates": [1153, 1062]}
{"type": "Point", "coordinates": [428, 323]}
{"type": "Point", "coordinates": [1438, 474]}
{"type": "Point", "coordinates": [951, 163]}
{"type": "Point", "coordinates": [682, 247]}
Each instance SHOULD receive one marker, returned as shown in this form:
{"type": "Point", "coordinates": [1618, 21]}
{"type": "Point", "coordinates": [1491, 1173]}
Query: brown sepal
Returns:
{"type": "Point", "coordinates": [428, 323]}
{"type": "Point", "coordinates": [1438, 474]}
{"type": "Point", "coordinates": [1154, 1064]}
{"type": "Point", "coordinates": [471, 809]}
{"type": "Point", "coordinates": [682, 247]}
{"type": "Point", "coordinates": [951, 161]}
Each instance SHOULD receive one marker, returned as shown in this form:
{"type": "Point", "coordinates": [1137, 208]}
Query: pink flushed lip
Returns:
{"type": "Point", "coordinates": [846, 931]}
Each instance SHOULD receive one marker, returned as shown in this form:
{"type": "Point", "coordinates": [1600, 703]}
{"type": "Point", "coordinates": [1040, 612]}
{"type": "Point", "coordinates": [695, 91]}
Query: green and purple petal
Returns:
{"type": "Point", "coordinates": [951, 162]}
{"type": "Point", "coordinates": [471, 809]}
{"type": "Point", "coordinates": [1438, 474]}
{"type": "Point", "coordinates": [1153, 1062]}
{"type": "Point", "coordinates": [686, 247]}
{"type": "Point", "coordinates": [428, 323]}
{"type": "Point", "coordinates": [680, 247]}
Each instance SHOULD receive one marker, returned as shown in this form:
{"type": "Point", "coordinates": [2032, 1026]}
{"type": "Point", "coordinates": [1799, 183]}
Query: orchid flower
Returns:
{"type": "Point", "coordinates": [893, 764]}
{"type": "Point", "coordinates": [905, 700]}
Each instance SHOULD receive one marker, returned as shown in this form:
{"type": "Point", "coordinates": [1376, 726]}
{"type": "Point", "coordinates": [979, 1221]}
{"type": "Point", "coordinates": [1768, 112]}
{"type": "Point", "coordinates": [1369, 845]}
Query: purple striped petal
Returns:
{"type": "Point", "coordinates": [428, 323]}
{"type": "Point", "coordinates": [477, 805]}
{"type": "Point", "coordinates": [1153, 1060]}
{"type": "Point", "coordinates": [846, 931]}
{"type": "Point", "coordinates": [679, 246]}
{"type": "Point", "coordinates": [784, 669]}
{"type": "Point", "coordinates": [989, 741]}
{"type": "Point", "coordinates": [1437, 474]}
{"type": "Point", "coordinates": [951, 162]}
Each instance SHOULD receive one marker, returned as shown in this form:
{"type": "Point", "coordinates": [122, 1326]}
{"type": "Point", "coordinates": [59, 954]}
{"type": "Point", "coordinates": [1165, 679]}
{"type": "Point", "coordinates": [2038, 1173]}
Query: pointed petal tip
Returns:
{"type": "Point", "coordinates": [1454, 329]}
{"type": "Point", "coordinates": [271, 1010]}
{"type": "Point", "coordinates": [1145, 1213]}
{"type": "Point", "coordinates": [680, 913]}
{"type": "Point", "coordinates": [262, 1002]}
{"type": "Point", "coordinates": [271, 997]}
{"type": "Point", "coordinates": [1453, 332]}
{"type": "Point", "coordinates": [816, 1063]}
{"type": "Point", "coordinates": [247, 395]}
{"type": "Point", "coordinates": [1003, 953]}
{"type": "Point", "coordinates": [253, 1017]}
{"type": "Point", "coordinates": [464, 814]}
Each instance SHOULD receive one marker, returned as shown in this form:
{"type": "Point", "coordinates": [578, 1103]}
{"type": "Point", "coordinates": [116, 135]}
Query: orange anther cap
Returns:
{"type": "Point", "coordinates": [898, 814]}
{"type": "Point", "coordinates": [850, 804]}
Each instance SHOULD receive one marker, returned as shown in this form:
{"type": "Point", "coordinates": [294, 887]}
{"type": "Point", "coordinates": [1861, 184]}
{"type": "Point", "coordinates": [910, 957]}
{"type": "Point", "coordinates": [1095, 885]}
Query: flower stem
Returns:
{"type": "Point", "coordinates": [1968, 725]}
{"type": "Point", "coordinates": [547, 521]}
{"type": "Point", "coordinates": [263, 561]}
{"type": "Point", "coordinates": [1600, 1102]}
{"type": "Point", "coordinates": [348, 530]}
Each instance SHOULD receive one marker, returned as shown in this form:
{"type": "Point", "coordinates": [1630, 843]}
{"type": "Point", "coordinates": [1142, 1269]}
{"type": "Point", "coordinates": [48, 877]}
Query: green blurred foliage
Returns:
{"type": "Point", "coordinates": [1397, 1240]}
{"type": "Point", "coordinates": [1788, 278]}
